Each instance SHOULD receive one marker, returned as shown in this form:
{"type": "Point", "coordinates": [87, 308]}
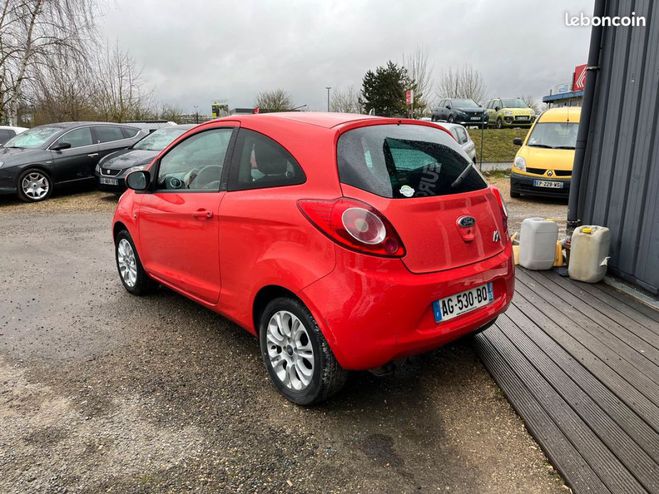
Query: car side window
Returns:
{"type": "Point", "coordinates": [261, 162]}
{"type": "Point", "coordinates": [462, 135]}
{"type": "Point", "coordinates": [6, 134]}
{"type": "Point", "coordinates": [108, 133]}
{"type": "Point", "coordinates": [77, 137]}
{"type": "Point", "coordinates": [196, 163]}
{"type": "Point", "coordinates": [129, 131]}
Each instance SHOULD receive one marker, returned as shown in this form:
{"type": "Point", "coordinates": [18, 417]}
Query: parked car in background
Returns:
{"type": "Point", "coordinates": [464, 139]}
{"type": "Point", "coordinates": [509, 112]}
{"type": "Point", "coordinates": [543, 165]}
{"type": "Point", "coordinates": [35, 161]}
{"type": "Point", "coordinates": [111, 171]}
{"type": "Point", "coordinates": [151, 125]}
{"type": "Point", "coordinates": [7, 133]}
{"type": "Point", "coordinates": [342, 241]}
{"type": "Point", "coordinates": [462, 111]}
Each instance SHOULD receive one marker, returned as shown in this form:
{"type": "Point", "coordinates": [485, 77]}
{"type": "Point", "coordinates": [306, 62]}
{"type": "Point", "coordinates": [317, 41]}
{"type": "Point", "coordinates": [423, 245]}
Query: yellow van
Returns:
{"type": "Point", "coordinates": [543, 165]}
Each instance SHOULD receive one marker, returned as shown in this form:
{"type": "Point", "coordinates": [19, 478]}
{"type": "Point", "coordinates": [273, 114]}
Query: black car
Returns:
{"type": "Point", "coordinates": [461, 111]}
{"type": "Point", "coordinates": [35, 161]}
{"type": "Point", "coordinates": [111, 171]}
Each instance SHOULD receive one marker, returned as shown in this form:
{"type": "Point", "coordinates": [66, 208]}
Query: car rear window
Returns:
{"type": "Point", "coordinates": [403, 161]}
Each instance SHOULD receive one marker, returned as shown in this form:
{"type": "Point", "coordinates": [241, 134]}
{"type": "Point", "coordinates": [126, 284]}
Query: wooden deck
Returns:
{"type": "Point", "coordinates": [580, 364]}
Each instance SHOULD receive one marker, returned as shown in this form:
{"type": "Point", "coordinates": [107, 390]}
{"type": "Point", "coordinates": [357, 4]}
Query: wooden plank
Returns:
{"type": "Point", "coordinates": [613, 436]}
{"type": "Point", "coordinates": [647, 311]}
{"type": "Point", "coordinates": [632, 366]}
{"type": "Point", "coordinates": [600, 312]}
{"type": "Point", "coordinates": [635, 350]}
{"type": "Point", "coordinates": [551, 321]}
{"type": "Point", "coordinates": [627, 310]}
{"type": "Point", "coordinates": [646, 437]}
{"type": "Point", "coordinates": [561, 452]}
{"type": "Point", "coordinates": [603, 462]}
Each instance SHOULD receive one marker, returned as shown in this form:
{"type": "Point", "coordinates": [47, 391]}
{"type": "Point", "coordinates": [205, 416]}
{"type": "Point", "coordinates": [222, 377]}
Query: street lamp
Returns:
{"type": "Point", "coordinates": [196, 114]}
{"type": "Point", "coordinates": [328, 96]}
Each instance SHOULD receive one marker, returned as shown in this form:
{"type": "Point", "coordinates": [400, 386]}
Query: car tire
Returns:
{"type": "Point", "coordinates": [450, 119]}
{"type": "Point", "coordinates": [34, 185]}
{"type": "Point", "coordinates": [297, 356]}
{"type": "Point", "coordinates": [129, 266]}
{"type": "Point", "coordinates": [514, 194]}
{"type": "Point", "coordinates": [499, 123]}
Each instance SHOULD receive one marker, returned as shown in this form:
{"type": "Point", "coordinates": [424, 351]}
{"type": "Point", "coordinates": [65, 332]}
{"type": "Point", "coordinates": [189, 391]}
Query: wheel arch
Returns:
{"type": "Point", "coordinates": [264, 296]}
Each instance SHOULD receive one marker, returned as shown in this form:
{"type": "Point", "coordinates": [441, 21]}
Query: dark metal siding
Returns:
{"type": "Point", "coordinates": [620, 181]}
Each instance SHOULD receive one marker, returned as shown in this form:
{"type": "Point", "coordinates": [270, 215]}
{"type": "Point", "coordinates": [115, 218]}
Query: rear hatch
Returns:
{"type": "Point", "coordinates": [424, 183]}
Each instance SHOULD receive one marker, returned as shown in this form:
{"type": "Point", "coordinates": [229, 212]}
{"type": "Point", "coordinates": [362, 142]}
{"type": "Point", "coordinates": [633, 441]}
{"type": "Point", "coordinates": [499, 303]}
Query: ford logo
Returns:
{"type": "Point", "coordinates": [466, 221]}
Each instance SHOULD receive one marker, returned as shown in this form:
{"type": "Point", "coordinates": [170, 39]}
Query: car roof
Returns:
{"type": "Point", "coordinates": [319, 119]}
{"type": "Point", "coordinates": [561, 114]}
{"type": "Point", "coordinates": [70, 125]}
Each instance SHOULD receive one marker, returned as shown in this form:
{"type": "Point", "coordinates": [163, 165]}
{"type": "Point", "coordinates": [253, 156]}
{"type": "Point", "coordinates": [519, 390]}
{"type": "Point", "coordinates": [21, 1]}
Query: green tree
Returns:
{"type": "Point", "coordinates": [383, 91]}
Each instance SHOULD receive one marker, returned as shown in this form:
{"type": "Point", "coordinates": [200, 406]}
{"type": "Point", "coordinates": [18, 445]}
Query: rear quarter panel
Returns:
{"type": "Point", "coordinates": [264, 238]}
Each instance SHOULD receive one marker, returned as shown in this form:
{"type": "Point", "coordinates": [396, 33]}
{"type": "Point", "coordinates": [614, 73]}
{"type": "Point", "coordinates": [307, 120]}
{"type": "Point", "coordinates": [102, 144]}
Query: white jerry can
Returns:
{"type": "Point", "coordinates": [589, 253]}
{"type": "Point", "coordinates": [537, 243]}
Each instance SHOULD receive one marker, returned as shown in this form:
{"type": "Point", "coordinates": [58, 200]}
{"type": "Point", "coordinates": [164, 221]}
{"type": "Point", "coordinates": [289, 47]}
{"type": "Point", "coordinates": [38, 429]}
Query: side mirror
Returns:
{"type": "Point", "coordinates": [496, 108]}
{"type": "Point", "coordinates": [61, 145]}
{"type": "Point", "coordinates": [517, 141]}
{"type": "Point", "coordinates": [138, 180]}
{"type": "Point", "coordinates": [448, 107]}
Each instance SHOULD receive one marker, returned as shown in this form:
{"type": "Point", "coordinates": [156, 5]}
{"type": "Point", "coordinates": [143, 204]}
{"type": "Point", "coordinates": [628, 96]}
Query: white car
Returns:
{"type": "Point", "coordinates": [462, 136]}
{"type": "Point", "coordinates": [7, 132]}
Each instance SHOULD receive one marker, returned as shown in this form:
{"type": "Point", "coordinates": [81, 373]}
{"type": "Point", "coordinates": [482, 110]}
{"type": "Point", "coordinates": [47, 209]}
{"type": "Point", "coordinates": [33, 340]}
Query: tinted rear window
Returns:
{"type": "Point", "coordinates": [399, 161]}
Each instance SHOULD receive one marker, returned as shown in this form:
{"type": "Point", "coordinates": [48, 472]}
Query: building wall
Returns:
{"type": "Point", "coordinates": [620, 181]}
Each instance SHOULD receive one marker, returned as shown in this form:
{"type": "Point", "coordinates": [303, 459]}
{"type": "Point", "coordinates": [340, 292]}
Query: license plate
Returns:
{"type": "Point", "coordinates": [475, 118]}
{"type": "Point", "coordinates": [548, 184]}
{"type": "Point", "coordinates": [455, 305]}
{"type": "Point", "coordinates": [109, 181]}
{"type": "Point", "coordinates": [522, 118]}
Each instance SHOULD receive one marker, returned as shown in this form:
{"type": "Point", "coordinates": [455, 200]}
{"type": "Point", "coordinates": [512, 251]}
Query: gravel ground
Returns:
{"type": "Point", "coordinates": [104, 392]}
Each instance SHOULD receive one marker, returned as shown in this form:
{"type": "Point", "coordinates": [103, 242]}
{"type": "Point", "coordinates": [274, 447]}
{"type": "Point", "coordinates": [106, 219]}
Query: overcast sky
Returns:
{"type": "Point", "coordinates": [195, 51]}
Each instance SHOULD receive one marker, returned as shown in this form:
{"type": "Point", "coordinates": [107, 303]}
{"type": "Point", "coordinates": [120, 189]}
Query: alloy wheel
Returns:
{"type": "Point", "coordinates": [127, 262]}
{"type": "Point", "coordinates": [289, 350]}
{"type": "Point", "coordinates": [35, 186]}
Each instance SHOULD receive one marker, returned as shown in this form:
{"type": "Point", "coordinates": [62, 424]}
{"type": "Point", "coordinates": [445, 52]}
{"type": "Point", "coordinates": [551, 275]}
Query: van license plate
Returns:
{"type": "Point", "coordinates": [109, 181]}
{"type": "Point", "coordinates": [475, 118]}
{"type": "Point", "coordinates": [548, 184]}
{"type": "Point", "coordinates": [450, 307]}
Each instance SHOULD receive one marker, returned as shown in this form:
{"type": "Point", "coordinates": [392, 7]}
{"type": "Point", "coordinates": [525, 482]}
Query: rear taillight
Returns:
{"type": "Point", "coordinates": [504, 209]}
{"type": "Point", "coordinates": [354, 225]}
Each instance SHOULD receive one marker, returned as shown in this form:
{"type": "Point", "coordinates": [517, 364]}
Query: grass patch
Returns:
{"type": "Point", "coordinates": [497, 174]}
{"type": "Point", "coordinates": [498, 144]}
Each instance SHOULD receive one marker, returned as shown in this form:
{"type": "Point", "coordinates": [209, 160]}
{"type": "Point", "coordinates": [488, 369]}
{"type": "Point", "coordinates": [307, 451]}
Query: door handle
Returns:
{"type": "Point", "coordinates": [93, 155]}
{"type": "Point", "coordinates": [202, 214]}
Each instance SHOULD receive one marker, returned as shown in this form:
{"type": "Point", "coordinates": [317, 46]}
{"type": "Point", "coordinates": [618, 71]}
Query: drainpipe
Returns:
{"type": "Point", "coordinates": [573, 219]}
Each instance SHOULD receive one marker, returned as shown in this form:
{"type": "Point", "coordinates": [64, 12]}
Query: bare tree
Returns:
{"type": "Point", "coordinates": [420, 72]}
{"type": "Point", "coordinates": [274, 101]}
{"type": "Point", "coordinates": [118, 93]}
{"type": "Point", "coordinates": [31, 33]}
{"type": "Point", "coordinates": [345, 101]}
{"type": "Point", "coordinates": [461, 82]}
{"type": "Point", "coordinates": [170, 113]}
{"type": "Point", "coordinates": [537, 105]}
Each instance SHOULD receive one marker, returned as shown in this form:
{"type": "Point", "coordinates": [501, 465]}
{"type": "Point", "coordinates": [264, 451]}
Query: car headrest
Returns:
{"type": "Point", "coordinates": [269, 160]}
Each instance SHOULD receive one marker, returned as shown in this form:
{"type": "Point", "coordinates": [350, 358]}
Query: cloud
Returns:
{"type": "Point", "coordinates": [195, 52]}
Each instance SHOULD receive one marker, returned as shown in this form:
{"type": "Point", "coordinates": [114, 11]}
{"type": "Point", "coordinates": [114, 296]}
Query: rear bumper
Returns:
{"type": "Point", "coordinates": [374, 310]}
{"type": "Point", "coordinates": [523, 184]}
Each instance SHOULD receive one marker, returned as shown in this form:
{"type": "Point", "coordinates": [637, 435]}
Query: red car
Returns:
{"type": "Point", "coordinates": [344, 242]}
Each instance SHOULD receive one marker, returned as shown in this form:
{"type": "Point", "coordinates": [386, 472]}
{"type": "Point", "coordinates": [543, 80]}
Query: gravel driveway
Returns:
{"type": "Point", "coordinates": [104, 392]}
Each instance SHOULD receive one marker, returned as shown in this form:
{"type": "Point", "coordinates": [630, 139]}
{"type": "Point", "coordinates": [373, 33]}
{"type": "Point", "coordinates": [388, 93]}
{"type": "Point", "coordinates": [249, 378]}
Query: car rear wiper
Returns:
{"type": "Point", "coordinates": [564, 147]}
{"type": "Point", "coordinates": [541, 146]}
{"type": "Point", "coordinates": [462, 176]}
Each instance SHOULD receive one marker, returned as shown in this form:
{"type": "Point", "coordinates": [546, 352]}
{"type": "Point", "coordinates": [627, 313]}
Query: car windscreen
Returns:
{"type": "Point", "coordinates": [33, 138]}
{"type": "Point", "coordinates": [403, 161]}
{"type": "Point", "coordinates": [513, 103]}
{"type": "Point", "coordinates": [158, 140]}
{"type": "Point", "coordinates": [554, 135]}
{"type": "Point", "coordinates": [464, 103]}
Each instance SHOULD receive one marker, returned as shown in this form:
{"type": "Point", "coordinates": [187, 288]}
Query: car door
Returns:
{"type": "Point", "coordinates": [75, 162]}
{"type": "Point", "coordinates": [178, 220]}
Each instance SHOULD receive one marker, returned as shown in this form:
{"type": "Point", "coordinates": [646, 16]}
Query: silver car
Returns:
{"type": "Point", "coordinates": [462, 136]}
